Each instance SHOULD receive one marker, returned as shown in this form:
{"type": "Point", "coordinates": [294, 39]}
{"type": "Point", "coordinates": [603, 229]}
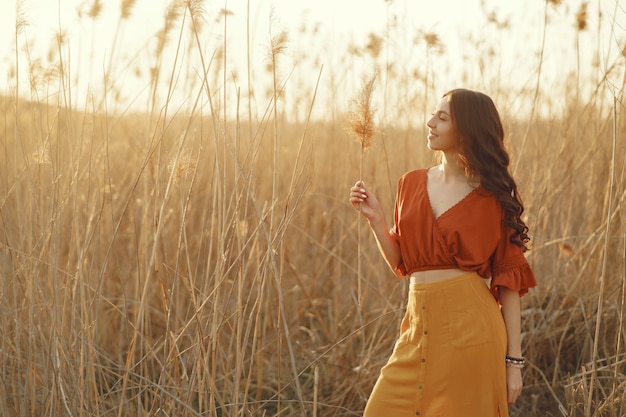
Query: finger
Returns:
{"type": "Point", "coordinates": [358, 192]}
{"type": "Point", "coordinates": [356, 199]}
{"type": "Point", "coordinates": [357, 196]}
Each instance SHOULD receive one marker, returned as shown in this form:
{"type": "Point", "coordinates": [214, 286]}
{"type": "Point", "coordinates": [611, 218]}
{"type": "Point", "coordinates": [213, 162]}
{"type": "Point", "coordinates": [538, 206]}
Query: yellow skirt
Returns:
{"type": "Point", "coordinates": [449, 358]}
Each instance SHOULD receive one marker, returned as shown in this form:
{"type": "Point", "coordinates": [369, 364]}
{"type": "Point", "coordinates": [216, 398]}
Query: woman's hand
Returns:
{"type": "Point", "coordinates": [368, 206]}
{"type": "Point", "coordinates": [513, 384]}
{"type": "Point", "coordinates": [362, 200]}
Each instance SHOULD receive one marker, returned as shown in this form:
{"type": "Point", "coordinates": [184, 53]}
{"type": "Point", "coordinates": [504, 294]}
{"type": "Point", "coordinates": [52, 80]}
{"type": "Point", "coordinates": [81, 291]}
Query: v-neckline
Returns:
{"type": "Point", "coordinates": [453, 206]}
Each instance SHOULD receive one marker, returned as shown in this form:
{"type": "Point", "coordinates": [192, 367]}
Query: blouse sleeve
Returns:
{"type": "Point", "coordinates": [510, 268]}
{"type": "Point", "coordinates": [400, 269]}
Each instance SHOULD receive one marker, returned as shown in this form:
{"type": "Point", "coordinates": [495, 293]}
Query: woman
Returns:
{"type": "Point", "coordinates": [456, 225]}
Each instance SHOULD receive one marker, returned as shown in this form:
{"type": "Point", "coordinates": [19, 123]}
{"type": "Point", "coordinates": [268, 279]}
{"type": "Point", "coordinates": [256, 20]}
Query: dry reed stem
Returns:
{"type": "Point", "coordinates": [316, 379]}
{"type": "Point", "coordinates": [537, 82]}
{"type": "Point", "coordinates": [362, 127]}
{"type": "Point", "coordinates": [607, 233]}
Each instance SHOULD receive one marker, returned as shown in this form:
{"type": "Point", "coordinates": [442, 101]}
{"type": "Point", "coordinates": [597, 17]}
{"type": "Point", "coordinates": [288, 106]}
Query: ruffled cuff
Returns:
{"type": "Point", "coordinates": [519, 278]}
{"type": "Point", "coordinates": [400, 270]}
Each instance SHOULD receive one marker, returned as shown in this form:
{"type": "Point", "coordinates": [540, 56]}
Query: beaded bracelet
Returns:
{"type": "Point", "coordinates": [515, 365]}
{"type": "Point", "coordinates": [512, 362]}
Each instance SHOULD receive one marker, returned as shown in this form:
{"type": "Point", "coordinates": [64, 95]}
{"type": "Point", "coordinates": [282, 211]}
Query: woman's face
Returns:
{"type": "Point", "coordinates": [442, 135]}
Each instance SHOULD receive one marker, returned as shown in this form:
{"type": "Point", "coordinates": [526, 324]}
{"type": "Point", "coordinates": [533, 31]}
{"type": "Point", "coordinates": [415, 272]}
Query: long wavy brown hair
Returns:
{"type": "Point", "coordinates": [484, 156]}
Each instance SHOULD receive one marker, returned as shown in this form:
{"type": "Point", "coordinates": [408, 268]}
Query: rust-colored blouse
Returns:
{"type": "Point", "coordinates": [470, 236]}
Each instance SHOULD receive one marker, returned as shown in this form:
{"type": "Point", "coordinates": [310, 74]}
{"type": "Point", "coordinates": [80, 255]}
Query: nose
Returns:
{"type": "Point", "coordinates": [430, 123]}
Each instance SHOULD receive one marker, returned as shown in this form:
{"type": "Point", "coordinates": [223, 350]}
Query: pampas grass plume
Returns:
{"type": "Point", "coordinates": [95, 9]}
{"type": "Point", "coordinates": [362, 114]}
{"type": "Point", "coordinates": [126, 8]}
{"type": "Point", "coordinates": [581, 17]}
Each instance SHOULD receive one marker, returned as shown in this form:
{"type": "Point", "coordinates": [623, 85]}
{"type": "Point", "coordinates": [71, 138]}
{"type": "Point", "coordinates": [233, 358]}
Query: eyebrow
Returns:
{"type": "Point", "coordinates": [442, 111]}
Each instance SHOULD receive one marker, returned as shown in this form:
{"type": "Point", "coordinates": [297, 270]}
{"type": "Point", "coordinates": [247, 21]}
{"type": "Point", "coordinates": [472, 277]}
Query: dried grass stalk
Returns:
{"type": "Point", "coordinates": [362, 127]}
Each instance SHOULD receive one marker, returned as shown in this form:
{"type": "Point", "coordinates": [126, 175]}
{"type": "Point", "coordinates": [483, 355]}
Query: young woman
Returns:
{"type": "Point", "coordinates": [456, 225]}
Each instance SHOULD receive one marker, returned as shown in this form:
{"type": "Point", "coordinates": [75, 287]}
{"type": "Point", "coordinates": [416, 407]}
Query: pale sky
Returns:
{"type": "Point", "coordinates": [319, 33]}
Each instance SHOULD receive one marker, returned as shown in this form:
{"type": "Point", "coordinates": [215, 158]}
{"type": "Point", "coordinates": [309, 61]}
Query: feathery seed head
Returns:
{"type": "Point", "coordinates": [173, 13]}
{"type": "Point", "coordinates": [432, 41]}
{"type": "Point", "coordinates": [61, 37]}
{"type": "Point", "coordinates": [182, 167]}
{"type": "Point", "coordinates": [95, 10]}
{"type": "Point", "coordinates": [278, 44]}
{"type": "Point", "coordinates": [42, 155]}
{"type": "Point", "coordinates": [361, 123]}
{"type": "Point", "coordinates": [20, 18]}
{"type": "Point", "coordinates": [374, 45]}
{"type": "Point", "coordinates": [581, 17]}
{"type": "Point", "coordinates": [127, 5]}
{"type": "Point", "coordinates": [35, 74]}
{"type": "Point", "coordinates": [226, 12]}
{"type": "Point", "coordinates": [196, 8]}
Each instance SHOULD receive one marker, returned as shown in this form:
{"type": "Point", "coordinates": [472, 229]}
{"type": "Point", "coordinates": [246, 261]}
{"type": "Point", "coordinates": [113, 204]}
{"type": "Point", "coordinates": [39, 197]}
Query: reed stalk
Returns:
{"type": "Point", "coordinates": [601, 291]}
{"type": "Point", "coordinates": [536, 91]}
{"type": "Point", "coordinates": [362, 127]}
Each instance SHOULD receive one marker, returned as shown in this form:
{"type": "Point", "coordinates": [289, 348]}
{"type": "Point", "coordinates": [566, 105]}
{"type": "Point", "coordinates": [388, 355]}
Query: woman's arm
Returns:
{"type": "Point", "coordinates": [511, 312]}
{"type": "Point", "coordinates": [387, 246]}
{"type": "Point", "coordinates": [362, 200]}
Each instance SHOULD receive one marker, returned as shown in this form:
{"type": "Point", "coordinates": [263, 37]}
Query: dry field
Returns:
{"type": "Point", "coordinates": [199, 262]}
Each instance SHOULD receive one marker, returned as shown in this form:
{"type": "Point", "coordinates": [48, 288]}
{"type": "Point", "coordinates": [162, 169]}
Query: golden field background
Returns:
{"type": "Point", "coordinates": [200, 261]}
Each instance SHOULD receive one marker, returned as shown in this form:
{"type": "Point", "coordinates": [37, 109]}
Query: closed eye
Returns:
{"type": "Point", "coordinates": [440, 115]}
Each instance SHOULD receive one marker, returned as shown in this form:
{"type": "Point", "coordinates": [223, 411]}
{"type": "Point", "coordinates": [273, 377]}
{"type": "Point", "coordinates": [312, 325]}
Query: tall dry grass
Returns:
{"type": "Point", "coordinates": [202, 262]}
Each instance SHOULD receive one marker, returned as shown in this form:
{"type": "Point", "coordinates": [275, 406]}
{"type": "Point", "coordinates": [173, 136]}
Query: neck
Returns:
{"type": "Point", "coordinates": [451, 167]}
